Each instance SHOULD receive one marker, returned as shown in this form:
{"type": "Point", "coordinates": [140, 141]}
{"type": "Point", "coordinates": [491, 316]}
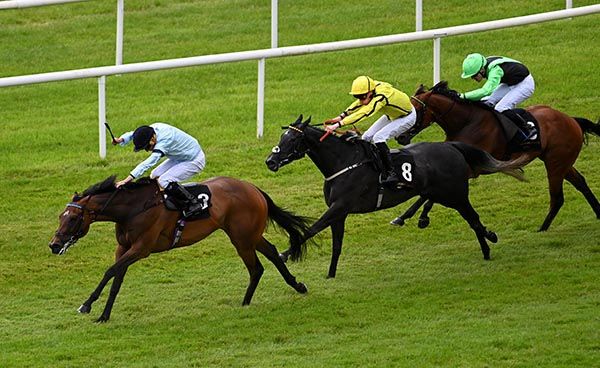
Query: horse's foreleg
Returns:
{"type": "Point", "coordinates": [334, 213]}
{"type": "Point", "coordinates": [578, 181]}
{"type": "Point", "coordinates": [86, 307]}
{"type": "Point", "coordinates": [337, 235]}
{"type": "Point", "coordinates": [120, 268]}
{"type": "Point", "coordinates": [269, 251]}
{"type": "Point", "coordinates": [399, 221]}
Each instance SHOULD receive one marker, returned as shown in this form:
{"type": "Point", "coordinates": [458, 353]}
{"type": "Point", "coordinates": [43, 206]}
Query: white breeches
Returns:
{"type": "Point", "coordinates": [508, 97]}
{"type": "Point", "coordinates": [384, 128]}
{"type": "Point", "coordinates": [172, 170]}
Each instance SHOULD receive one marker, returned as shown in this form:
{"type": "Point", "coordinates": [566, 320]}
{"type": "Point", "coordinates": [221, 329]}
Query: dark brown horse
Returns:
{"type": "Point", "coordinates": [144, 226]}
{"type": "Point", "coordinates": [562, 137]}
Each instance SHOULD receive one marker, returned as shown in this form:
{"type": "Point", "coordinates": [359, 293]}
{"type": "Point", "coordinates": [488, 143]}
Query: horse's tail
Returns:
{"type": "Point", "coordinates": [483, 163]}
{"type": "Point", "coordinates": [588, 126]}
{"type": "Point", "coordinates": [296, 227]}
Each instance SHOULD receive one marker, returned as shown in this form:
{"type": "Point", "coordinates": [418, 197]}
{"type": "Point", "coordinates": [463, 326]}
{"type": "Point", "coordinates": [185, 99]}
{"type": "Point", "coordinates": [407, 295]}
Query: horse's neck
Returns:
{"type": "Point", "coordinates": [120, 206]}
{"type": "Point", "coordinates": [331, 155]}
{"type": "Point", "coordinates": [456, 117]}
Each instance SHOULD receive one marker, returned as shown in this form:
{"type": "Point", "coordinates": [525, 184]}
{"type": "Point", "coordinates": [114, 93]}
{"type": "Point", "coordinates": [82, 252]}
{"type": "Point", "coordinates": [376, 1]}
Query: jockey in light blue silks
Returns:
{"type": "Point", "coordinates": [185, 158]}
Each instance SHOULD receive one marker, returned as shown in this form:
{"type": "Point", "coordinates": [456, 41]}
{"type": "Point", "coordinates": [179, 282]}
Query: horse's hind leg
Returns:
{"type": "Point", "coordinates": [269, 251]}
{"type": "Point", "coordinates": [255, 269]}
{"type": "Point", "coordinates": [557, 199]}
{"type": "Point", "coordinates": [399, 221]}
{"type": "Point", "coordinates": [472, 217]}
{"type": "Point", "coordinates": [578, 181]}
{"type": "Point", "coordinates": [424, 218]}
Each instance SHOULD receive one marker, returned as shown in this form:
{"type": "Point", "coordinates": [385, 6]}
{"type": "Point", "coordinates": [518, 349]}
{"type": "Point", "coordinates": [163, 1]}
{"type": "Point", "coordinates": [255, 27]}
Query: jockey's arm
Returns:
{"type": "Point", "coordinates": [493, 81]}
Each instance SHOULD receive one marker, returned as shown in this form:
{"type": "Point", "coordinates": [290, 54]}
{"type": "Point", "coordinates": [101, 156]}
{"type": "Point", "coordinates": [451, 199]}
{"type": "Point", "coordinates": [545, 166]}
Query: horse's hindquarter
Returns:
{"type": "Point", "coordinates": [559, 132]}
{"type": "Point", "coordinates": [236, 206]}
{"type": "Point", "coordinates": [441, 171]}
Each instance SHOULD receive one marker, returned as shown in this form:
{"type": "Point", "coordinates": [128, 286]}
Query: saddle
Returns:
{"type": "Point", "coordinates": [201, 192]}
{"type": "Point", "coordinates": [402, 161]}
{"type": "Point", "coordinates": [512, 132]}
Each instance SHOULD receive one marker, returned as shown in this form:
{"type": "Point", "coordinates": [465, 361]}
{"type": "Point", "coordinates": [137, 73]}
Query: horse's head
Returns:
{"type": "Point", "coordinates": [433, 105]}
{"type": "Point", "coordinates": [291, 146]}
{"type": "Point", "coordinates": [75, 220]}
{"type": "Point", "coordinates": [74, 223]}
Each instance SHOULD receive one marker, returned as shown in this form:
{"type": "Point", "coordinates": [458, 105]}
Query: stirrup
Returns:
{"type": "Point", "coordinates": [391, 178]}
{"type": "Point", "coordinates": [192, 209]}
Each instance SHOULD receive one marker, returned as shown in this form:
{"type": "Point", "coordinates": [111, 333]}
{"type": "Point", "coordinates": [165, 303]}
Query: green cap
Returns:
{"type": "Point", "coordinates": [472, 65]}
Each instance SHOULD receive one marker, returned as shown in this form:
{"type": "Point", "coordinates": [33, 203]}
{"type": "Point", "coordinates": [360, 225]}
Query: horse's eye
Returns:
{"type": "Point", "coordinates": [276, 149]}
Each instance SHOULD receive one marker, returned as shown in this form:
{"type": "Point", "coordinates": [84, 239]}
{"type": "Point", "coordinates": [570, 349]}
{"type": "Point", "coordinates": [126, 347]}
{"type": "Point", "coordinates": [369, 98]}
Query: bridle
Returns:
{"type": "Point", "coordinates": [296, 154]}
{"type": "Point", "coordinates": [78, 228]}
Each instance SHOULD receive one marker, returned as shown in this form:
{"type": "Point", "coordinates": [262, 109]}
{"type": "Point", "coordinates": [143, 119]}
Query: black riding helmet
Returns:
{"type": "Point", "coordinates": [141, 137]}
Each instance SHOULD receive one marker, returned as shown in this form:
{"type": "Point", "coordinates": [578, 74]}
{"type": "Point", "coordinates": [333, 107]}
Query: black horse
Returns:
{"type": "Point", "coordinates": [441, 172]}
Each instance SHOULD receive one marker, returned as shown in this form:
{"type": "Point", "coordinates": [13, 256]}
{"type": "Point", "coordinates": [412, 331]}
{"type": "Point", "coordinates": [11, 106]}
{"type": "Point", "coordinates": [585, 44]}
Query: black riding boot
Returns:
{"type": "Point", "coordinates": [389, 175]}
{"type": "Point", "coordinates": [192, 204]}
{"type": "Point", "coordinates": [520, 123]}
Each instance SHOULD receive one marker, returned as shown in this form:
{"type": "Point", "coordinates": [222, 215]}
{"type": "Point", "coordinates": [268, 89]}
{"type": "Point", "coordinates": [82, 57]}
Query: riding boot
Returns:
{"type": "Point", "coordinates": [192, 204]}
{"type": "Point", "coordinates": [526, 130]}
{"type": "Point", "coordinates": [389, 176]}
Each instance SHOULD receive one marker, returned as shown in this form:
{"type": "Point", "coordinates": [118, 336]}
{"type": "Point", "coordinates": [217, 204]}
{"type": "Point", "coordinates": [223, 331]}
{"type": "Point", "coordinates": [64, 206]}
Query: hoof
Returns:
{"type": "Point", "coordinates": [102, 319]}
{"type": "Point", "coordinates": [423, 222]}
{"type": "Point", "coordinates": [84, 309]}
{"type": "Point", "coordinates": [301, 288]}
{"type": "Point", "coordinates": [284, 257]}
{"type": "Point", "coordinates": [398, 221]}
{"type": "Point", "coordinates": [491, 236]}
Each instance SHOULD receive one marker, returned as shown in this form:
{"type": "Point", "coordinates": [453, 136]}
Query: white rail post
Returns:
{"type": "Point", "coordinates": [436, 59]}
{"type": "Point", "coordinates": [260, 100]}
{"type": "Point", "coordinates": [419, 16]}
{"type": "Point", "coordinates": [569, 4]}
{"type": "Point", "coordinates": [260, 106]}
{"type": "Point", "coordinates": [120, 16]}
{"type": "Point", "coordinates": [274, 17]}
{"type": "Point", "coordinates": [102, 116]}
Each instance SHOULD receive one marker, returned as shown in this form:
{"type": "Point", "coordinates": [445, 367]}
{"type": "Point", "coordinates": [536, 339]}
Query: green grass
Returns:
{"type": "Point", "coordinates": [402, 297]}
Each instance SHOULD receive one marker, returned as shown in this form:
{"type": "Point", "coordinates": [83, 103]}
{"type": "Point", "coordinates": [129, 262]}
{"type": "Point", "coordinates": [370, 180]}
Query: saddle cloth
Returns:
{"type": "Point", "coordinates": [404, 165]}
{"type": "Point", "coordinates": [201, 192]}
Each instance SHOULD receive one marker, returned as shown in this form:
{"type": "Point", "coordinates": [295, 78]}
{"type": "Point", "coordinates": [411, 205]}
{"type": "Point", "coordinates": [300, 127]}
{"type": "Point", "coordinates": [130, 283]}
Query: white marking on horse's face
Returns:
{"type": "Point", "coordinates": [66, 213]}
{"type": "Point", "coordinates": [276, 149]}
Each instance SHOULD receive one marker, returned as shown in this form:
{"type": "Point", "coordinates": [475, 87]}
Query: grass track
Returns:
{"type": "Point", "coordinates": [403, 297]}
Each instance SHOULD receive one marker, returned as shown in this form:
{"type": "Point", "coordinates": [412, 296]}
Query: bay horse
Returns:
{"type": "Point", "coordinates": [144, 226]}
{"type": "Point", "coordinates": [561, 138]}
{"type": "Point", "coordinates": [441, 172]}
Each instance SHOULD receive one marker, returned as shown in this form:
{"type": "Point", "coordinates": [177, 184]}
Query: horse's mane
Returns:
{"type": "Point", "coordinates": [108, 186]}
{"type": "Point", "coordinates": [442, 88]}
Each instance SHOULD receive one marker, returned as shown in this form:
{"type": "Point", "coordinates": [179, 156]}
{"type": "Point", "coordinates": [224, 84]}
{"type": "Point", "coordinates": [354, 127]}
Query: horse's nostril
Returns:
{"type": "Point", "coordinates": [272, 165]}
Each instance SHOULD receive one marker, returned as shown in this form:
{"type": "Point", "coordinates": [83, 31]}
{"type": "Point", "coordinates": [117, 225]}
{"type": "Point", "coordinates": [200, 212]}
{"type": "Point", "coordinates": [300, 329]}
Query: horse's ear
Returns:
{"type": "Point", "coordinates": [308, 120]}
{"type": "Point", "coordinates": [420, 90]}
{"type": "Point", "coordinates": [299, 120]}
